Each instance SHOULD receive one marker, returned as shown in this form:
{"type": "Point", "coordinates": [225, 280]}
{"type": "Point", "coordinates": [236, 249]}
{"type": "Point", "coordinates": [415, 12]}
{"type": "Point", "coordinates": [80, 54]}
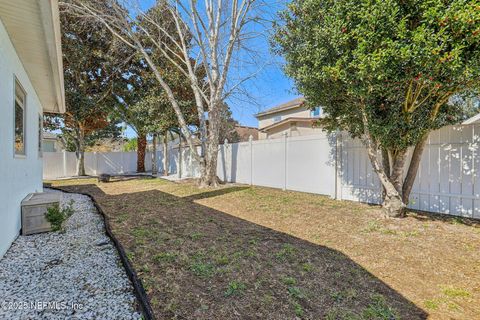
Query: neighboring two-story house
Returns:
{"type": "Point", "coordinates": [292, 118]}
{"type": "Point", "coordinates": [31, 83]}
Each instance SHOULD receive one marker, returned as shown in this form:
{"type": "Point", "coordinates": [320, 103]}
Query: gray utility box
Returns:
{"type": "Point", "coordinates": [34, 208]}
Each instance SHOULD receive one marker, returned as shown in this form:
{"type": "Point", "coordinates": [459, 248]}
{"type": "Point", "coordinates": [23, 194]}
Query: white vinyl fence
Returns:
{"type": "Point", "coordinates": [63, 164]}
{"type": "Point", "coordinates": [448, 180]}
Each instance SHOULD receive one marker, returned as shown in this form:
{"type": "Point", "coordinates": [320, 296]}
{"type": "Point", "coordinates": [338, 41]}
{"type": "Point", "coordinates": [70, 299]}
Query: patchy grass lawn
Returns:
{"type": "Point", "coordinates": [244, 252]}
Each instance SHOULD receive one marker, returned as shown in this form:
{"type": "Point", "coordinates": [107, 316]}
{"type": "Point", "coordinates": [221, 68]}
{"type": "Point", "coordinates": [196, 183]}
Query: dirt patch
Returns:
{"type": "Point", "coordinates": [242, 252]}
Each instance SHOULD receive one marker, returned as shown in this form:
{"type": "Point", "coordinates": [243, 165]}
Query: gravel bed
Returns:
{"type": "Point", "coordinates": [76, 274]}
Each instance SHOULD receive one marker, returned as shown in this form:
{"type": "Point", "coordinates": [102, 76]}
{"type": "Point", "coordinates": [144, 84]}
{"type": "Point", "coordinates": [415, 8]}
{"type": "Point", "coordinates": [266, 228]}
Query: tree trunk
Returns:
{"type": "Point", "coordinates": [180, 157]}
{"type": "Point", "coordinates": [80, 153]}
{"type": "Point", "coordinates": [154, 154]}
{"type": "Point", "coordinates": [386, 168]}
{"type": "Point", "coordinates": [413, 168]}
{"type": "Point", "coordinates": [393, 205]}
{"type": "Point", "coordinates": [141, 146]}
{"type": "Point", "coordinates": [165, 154]}
{"type": "Point", "coordinates": [209, 167]}
{"type": "Point", "coordinates": [397, 169]}
{"type": "Point", "coordinates": [209, 172]}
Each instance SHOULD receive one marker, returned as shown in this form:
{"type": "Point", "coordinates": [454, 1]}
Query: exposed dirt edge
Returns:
{"type": "Point", "coordinates": [140, 293]}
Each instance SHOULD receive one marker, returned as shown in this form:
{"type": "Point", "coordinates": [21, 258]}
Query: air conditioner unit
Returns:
{"type": "Point", "coordinates": [34, 208]}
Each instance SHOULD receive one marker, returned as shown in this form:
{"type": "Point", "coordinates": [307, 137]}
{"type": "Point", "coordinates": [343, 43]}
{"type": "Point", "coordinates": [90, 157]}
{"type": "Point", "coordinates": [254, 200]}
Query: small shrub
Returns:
{"type": "Point", "coordinates": [234, 288]}
{"type": "Point", "coordinates": [57, 215]}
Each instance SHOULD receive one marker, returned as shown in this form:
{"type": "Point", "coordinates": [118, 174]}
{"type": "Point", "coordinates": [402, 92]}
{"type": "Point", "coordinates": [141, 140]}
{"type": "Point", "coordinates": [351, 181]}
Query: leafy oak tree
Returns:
{"type": "Point", "coordinates": [92, 61]}
{"type": "Point", "coordinates": [384, 71]}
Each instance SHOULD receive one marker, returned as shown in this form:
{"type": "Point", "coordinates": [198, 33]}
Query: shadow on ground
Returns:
{"type": "Point", "coordinates": [197, 262]}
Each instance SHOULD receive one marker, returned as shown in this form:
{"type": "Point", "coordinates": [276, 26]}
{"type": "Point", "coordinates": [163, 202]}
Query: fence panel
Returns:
{"type": "Point", "coordinates": [311, 164]}
{"type": "Point", "coordinates": [447, 180]}
{"type": "Point", "coordinates": [269, 163]}
{"type": "Point", "coordinates": [357, 180]}
{"type": "Point", "coordinates": [53, 165]}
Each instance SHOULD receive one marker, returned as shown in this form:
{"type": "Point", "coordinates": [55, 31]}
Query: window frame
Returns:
{"type": "Point", "coordinates": [313, 111]}
{"type": "Point", "coordinates": [16, 99]}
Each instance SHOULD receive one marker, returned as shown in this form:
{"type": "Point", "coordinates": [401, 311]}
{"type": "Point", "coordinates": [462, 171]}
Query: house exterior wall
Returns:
{"type": "Point", "coordinates": [292, 129]}
{"type": "Point", "coordinates": [18, 176]}
{"type": "Point", "coordinates": [266, 120]}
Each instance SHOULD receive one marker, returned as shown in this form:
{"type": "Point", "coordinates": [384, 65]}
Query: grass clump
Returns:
{"type": "Point", "coordinates": [289, 281]}
{"type": "Point", "coordinates": [307, 267]}
{"type": "Point", "coordinates": [431, 304]}
{"type": "Point", "coordinates": [298, 309]}
{"type": "Point", "coordinates": [222, 260]}
{"type": "Point", "coordinates": [196, 236]}
{"type": "Point", "coordinates": [378, 309]}
{"type": "Point", "coordinates": [235, 288]}
{"type": "Point", "coordinates": [200, 266]}
{"type": "Point", "coordinates": [295, 292]}
{"type": "Point", "coordinates": [165, 257]}
{"type": "Point", "coordinates": [57, 215]}
{"type": "Point", "coordinates": [372, 226]}
{"type": "Point", "coordinates": [287, 252]}
{"type": "Point", "coordinates": [452, 292]}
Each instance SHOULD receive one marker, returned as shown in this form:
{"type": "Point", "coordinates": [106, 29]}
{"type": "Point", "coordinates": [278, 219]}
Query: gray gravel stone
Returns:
{"type": "Point", "coordinates": [76, 274]}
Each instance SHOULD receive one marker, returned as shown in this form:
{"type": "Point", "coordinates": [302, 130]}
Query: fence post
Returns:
{"type": "Point", "coordinates": [225, 160]}
{"type": "Point", "coordinates": [250, 140]}
{"type": "Point", "coordinates": [285, 141]}
{"type": "Point", "coordinates": [64, 163]}
{"type": "Point", "coordinates": [95, 158]}
{"type": "Point", "coordinates": [338, 165]}
{"type": "Point", "coordinates": [180, 158]}
{"type": "Point", "coordinates": [122, 161]}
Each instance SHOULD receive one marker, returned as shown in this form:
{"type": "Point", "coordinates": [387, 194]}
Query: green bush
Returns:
{"type": "Point", "coordinates": [57, 216]}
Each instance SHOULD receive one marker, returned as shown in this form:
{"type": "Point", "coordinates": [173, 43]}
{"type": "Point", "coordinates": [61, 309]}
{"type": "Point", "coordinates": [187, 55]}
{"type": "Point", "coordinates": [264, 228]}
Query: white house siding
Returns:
{"type": "Point", "coordinates": [18, 176]}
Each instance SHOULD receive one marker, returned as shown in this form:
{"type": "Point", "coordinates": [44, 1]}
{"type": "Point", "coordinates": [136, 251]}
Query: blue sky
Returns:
{"type": "Point", "coordinates": [269, 88]}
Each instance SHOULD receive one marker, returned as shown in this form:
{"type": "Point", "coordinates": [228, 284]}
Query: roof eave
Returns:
{"type": "Point", "coordinates": [473, 119]}
{"type": "Point", "coordinates": [34, 30]}
{"type": "Point", "coordinates": [276, 124]}
{"type": "Point", "coordinates": [51, 24]}
{"type": "Point", "coordinates": [266, 113]}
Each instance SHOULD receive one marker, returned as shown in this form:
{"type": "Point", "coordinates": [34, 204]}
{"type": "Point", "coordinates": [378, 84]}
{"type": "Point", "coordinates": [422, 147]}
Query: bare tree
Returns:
{"type": "Point", "coordinates": [200, 38]}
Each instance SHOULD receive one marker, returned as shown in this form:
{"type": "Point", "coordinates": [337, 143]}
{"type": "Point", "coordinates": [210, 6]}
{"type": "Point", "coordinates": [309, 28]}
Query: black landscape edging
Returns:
{"type": "Point", "coordinates": [140, 293]}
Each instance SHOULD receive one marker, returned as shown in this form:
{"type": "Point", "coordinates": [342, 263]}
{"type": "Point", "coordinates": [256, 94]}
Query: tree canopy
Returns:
{"type": "Point", "coordinates": [384, 71]}
{"type": "Point", "coordinates": [93, 60]}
